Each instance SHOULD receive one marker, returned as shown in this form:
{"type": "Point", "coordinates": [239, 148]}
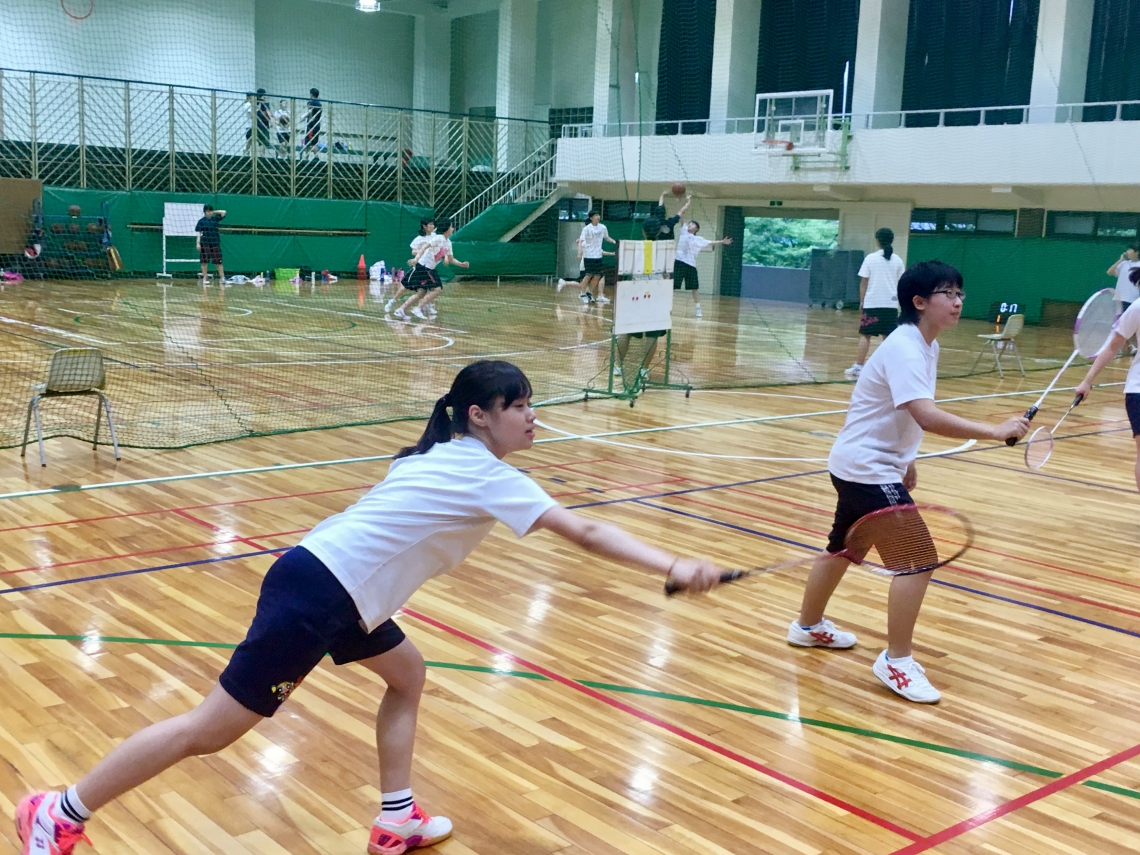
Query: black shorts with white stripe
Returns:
{"type": "Point", "coordinates": [858, 500]}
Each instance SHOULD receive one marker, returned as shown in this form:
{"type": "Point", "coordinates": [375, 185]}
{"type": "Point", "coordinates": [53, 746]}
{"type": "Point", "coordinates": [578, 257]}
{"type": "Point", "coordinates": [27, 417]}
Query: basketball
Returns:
{"type": "Point", "coordinates": [678, 188]}
{"type": "Point", "coordinates": [74, 210]}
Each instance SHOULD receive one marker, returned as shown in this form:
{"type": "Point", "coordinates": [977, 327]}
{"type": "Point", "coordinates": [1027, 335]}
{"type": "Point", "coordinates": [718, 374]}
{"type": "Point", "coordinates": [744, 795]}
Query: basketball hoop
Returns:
{"type": "Point", "coordinates": [779, 146]}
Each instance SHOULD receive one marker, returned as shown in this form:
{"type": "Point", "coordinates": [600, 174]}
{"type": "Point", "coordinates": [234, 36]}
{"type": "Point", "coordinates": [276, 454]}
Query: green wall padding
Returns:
{"type": "Point", "coordinates": [492, 258]}
{"type": "Point", "coordinates": [495, 222]}
{"type": "Point", "coordinates": [1021, 270]}
{"type": "Point", "coordinates": [390, 228]}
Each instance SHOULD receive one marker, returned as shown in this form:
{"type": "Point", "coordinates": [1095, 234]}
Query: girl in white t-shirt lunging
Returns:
{"type": "Point", "coordinates": [1127, 326]}
{"type": "Point", "coordinates": [590, 254]}
{"type": "Point", "coordinates": [872, 466]}
{"type": "Point", "coordinates": [425, 279]}
{"type": "Point", "coordinates": [878, 296]}
{"type": "Point", "coordinates": [427, 229]}
{"type": "Point", "coordinates": [335, 593]}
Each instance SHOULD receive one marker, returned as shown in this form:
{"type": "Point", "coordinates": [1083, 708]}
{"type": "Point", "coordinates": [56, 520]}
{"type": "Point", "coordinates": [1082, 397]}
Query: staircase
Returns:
{"type": "Point", "coordinates": [521, 195]}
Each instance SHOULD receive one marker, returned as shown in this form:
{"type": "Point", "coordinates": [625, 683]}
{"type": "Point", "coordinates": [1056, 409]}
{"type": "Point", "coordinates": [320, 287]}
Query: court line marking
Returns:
{"type": "Point", "coordinates": [188, 476]}
{"type": "Point", "coordinates": [940, 582]}
{"type": "Point", "coordinates": [668, 727]}
{"type": "Point", "coordinates": [758, 712]}
{"type": "Point", "coordinates": [1016, 804]}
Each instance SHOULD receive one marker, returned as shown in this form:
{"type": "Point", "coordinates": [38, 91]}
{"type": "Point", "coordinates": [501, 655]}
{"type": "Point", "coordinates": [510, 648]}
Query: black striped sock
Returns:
{"type": "Point", "coordinates": [72, 807]}
{"type": "Point", "coordinates": [397, 802]}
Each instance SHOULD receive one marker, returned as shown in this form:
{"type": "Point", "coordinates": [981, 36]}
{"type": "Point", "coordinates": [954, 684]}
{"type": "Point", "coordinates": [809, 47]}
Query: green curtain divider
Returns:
{"type": "Point", "coordinates": [495, 222]}
{"type": "Point", "coordinates": [492, 258]}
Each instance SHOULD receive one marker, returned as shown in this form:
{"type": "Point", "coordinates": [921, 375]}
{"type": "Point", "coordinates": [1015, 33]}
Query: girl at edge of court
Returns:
{"type": "Point", "coordinates": [878, 292]}
{"type": "Point", "coordinates": [872, 466]}
{"type": "Point", "coordinates": [427, 228]}
{"type": "Point", "coordinates": [336, 593]}
{"type": "Point", "coordinates": [1127, 326]}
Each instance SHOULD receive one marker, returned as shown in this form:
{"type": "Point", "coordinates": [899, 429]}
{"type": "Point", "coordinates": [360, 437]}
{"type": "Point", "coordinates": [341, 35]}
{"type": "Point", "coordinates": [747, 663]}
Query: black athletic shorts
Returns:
{"type": "Point", "coordinates": [685, 274]}
{"type": "Point", "coordinates": [858, 500]}
{"type": "Point", "coordinates": [1132, 405]}
{"type": "Point", "coordinates": [650, 334]}
{"type": "Point", "coordinates": [593, 267]}
{"type": "Point", "coordinates": [208, 254]}
{"type": "Point", "coordinates": [873, 322]}
{"type": "Point", "coordinates": [303, 612]}
{"type": "Point", "coordinates": [423, 279]}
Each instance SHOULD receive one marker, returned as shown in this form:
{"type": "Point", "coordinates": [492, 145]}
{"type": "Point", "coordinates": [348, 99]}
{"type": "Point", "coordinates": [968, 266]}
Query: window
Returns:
{"type": "Point", "coordinates": [960, 221]}
{"type": "Point", "coordinates": [1117, 225]}
{"type": "Point", "coordinates": [1103, 224]}
{"type": "Point", "coordinates": [997, 222]}
{"type": "Point", "coordinates": [926, 220]}
{"type": "Point", "coordinates": [573, 209]}
{"type": "Point", "coordinates": [560, 116]}
{"type": "Point", "coordinates": [1072, 224]}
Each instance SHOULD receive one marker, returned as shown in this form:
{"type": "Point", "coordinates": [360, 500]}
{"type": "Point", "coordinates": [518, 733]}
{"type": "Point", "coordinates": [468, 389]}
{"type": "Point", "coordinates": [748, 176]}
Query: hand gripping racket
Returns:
{"type": "Point", "coordinates": [905, 539]}
{"type": "Point", "coordinates": [1092, 329]}
{"type": "Point", "coordinates": [1040, 443]}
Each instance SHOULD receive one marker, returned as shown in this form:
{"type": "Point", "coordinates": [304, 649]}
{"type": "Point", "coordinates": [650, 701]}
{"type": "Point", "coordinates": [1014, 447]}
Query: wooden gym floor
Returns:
{"type": "Point", "coordinates": [570, 707]}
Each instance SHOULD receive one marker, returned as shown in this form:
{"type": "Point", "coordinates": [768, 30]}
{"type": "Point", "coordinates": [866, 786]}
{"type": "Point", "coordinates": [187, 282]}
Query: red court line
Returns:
{"type": "Point", "coordinates": [955, 568]}
{"type": "Point", "coordinates": [681, 732]}
{"type": "Point", "coordinates": [1009, 807]}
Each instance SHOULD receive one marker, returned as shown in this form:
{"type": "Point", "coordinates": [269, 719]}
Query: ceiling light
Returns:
{"type": "Point", "coordinates": [368, 5]}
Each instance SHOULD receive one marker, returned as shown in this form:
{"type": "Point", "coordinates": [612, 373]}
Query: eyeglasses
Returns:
{"type": "Point", "coordinates": [952, 293]}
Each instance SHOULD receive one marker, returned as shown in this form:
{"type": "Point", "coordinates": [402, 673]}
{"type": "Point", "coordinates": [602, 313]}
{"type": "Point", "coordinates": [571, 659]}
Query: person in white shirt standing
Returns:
{"type": "Point", "coordinates": [1126, 291]}
{"type": "Point", "coordinates": [590, 254]}
{"type": "Point", "coordinates": [878, 296]}
{"type": "Point", "coordinates": [685, 260]}
{"type": "Point", "coordinates": [872, 466]}
{"type": "Point", "coordinates": [1127, 326]}
{"type": "Point", "coordinates": [336, 592]}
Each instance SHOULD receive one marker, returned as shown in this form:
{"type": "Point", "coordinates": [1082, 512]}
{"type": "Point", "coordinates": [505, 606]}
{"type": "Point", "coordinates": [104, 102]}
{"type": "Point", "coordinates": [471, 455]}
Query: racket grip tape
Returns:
{"type": "Point", "coordinates": [672, 587]}
{"type": "Point", "coordinates": [1029, 414]}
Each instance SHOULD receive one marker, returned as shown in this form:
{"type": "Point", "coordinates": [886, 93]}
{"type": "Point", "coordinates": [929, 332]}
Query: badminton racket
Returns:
{"type": "Point", "coordinates": [903, 540]}
{"type": "Point", "coordinates": [1040, 443]}
{"type": "Point", "coordinates": [1090, 332]}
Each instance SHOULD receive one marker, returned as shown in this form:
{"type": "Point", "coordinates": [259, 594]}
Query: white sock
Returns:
{"type": "Point", "coordinates": [73, 808]}
{"type": "Point", "coordinates": [396, 807]}
{"type": "Point", "coordinates": [901, 660]}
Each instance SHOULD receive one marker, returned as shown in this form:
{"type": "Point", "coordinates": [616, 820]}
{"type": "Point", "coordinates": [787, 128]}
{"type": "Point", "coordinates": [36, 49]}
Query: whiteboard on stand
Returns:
{"type": "Point", "coordinates": [643, 305]}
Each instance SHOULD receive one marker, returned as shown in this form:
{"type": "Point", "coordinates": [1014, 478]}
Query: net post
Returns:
{"type": "Point", "coordinates": [329, 149]}
{"type": "Point", "coordinates": [170, 134]}
{"type": "Point", "coordinates": [81, 112]}
{"type": "Point", "coordinates": [128, 165]}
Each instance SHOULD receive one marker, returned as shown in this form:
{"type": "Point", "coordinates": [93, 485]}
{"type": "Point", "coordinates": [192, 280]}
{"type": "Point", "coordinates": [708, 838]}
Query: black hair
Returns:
{"type": "Point", "coordinates": [424, 224]}
{"type": "Point", "coordinates": [442, 225]}
{"type": "Point", "coordinates": [695, 223]}
{"type": "Point", "coordinates": [481, 384]}
{"type": "Point", "coordinates": [314, 93]}
{"type": "Point", "coordinates": [260, 93]}
{"type": "Point", "coordinates": [593, 214]}
{"type": "Point", "coordinates": [207, 209]}
{"type": "Point", "coordinates": [1134, 275]}
{"type": "Point", "coordinates": [921, 280]}
{"type": "Point", "coordinates": [886, 239]}
{"type": "Point", "coordinates": [1135, 247]}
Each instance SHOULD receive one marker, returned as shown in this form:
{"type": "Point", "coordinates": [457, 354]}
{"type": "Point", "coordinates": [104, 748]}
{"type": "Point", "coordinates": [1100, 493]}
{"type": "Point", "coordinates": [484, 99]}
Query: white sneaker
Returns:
{"type": "Point", "coordinates": [560, 286]}
{"type": "Point", "coordinates": [603, 299]}
{"type": "Point", "coordinates": [388, 306]}
{"type": "Point", "coordinates": [906, 678]}
{"type": "Point", "coordinates": [585, 297]}
{"type": "Point", "coordinates": [823, 634]}
{"type": "Point", "coordinates": [617, 371]}
{"type": "Point", "coordinates": [419, 313]}
{"type": "Point", "coordinates": [400, 313]}
{"type": "Point", "coordinates": [432, 313]}
{"type": "Point", "coordinates": [854, 370]}
{"type": "Point", "coordinates": [389, 838]}
{"type": "Point", "coordinates": [699, 315]}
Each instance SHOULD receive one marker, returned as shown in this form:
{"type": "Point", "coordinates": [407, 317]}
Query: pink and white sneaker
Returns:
{"type": "Point", "coordinates": [823, 634]}
{"type": "Point", "coordinates": [42, 827]}
{"type": "Point", "coordinates": [419, 829]}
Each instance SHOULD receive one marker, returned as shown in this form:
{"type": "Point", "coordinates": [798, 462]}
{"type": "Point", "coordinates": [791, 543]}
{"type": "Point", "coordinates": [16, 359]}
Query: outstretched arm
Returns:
{"type": "Point", "coordinates": [1102, 359]}
{"type": "Point", "coordinates": [931, 418]}
{"type": "Point", "coordinates": [609, 541]}
{"type": "Point", "coordinates": [685, 207]}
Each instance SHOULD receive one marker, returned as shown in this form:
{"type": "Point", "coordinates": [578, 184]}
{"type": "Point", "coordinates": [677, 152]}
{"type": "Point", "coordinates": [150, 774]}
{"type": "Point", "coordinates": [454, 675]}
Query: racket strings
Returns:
{"type": "Point", "coordinates": [905, 540]}
{"type": "Point", "coordinates": [1039, 448]}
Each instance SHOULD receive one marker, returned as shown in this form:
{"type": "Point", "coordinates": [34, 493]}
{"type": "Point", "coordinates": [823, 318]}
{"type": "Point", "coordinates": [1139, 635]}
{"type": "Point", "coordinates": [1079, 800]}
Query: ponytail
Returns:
{"type": "Point", "coordinates": [484, 384]}
{"type": "Point", "coordinates": [886, 239]}
{"type": "Point", "coordinates": [1134, 275]}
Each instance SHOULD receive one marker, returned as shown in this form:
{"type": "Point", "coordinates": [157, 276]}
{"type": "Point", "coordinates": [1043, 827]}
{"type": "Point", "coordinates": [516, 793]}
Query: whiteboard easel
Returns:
{"type": "Point", "coordinates": [179, 220]}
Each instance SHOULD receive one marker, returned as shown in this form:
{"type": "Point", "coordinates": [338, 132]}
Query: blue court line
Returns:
{"type": "Point", "coordinates": [698, 489]}
{"type": "Point", "coordinates": [934, 581]}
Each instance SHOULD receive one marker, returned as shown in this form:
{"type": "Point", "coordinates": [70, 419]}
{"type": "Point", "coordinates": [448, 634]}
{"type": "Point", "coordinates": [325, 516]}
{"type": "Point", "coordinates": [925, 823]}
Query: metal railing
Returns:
{"type": "Point", "coordinates": [108, 134]}
{"type": "Point", "coordinates": [1088, 111]}
{"type": "Point", "coordinates": [531, 180]}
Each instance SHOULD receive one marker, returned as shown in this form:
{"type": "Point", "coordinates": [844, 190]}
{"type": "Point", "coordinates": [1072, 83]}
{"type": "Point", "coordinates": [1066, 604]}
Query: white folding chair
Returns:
{"type": "Point", "coordinates": [72, 371]}
{"type": "Point", "coordinates": [999, 343]}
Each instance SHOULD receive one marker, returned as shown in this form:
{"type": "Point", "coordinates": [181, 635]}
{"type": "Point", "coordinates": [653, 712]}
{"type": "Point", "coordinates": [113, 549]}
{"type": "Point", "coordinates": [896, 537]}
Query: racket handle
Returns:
{"type": "Point", "coordinates": [672, 587]}
{"type": "Point", "coordinates": [1076, 400]}
{"type": "Point", "coordinates": [1029, 414]}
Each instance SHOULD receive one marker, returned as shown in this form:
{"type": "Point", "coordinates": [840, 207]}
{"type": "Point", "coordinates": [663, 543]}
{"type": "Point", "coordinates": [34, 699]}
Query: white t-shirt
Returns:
{"type": "Point", "coordinates": [882, 280]}
{"type": "Point", "coordinates": [1126, 292]}
{"type": "Point", "coordinates": [422, 521]}
{"type": "Point", "coordinates": [688, 246]}
{"type": "Point", "coordinates": [592, 240]}
{"type": "Point", "coordinates": [439, 250]}
{"type": "Point", "coordinates": [418, 241]}
{"type": "Point", "coordinates": [879, 439]}
{"type": "Point", "coordinates": [1128, 325]}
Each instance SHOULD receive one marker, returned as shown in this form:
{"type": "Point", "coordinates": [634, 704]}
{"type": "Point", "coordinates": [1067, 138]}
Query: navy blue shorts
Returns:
{"type": "Point", "coordinates": [1132, 405]}
{"type": "Point", "coordinates": [858, 500]}
{"type": "Point", "coordinates": [303, 612]}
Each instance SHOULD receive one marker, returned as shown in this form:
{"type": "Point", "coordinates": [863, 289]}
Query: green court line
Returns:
{"type": "Point", "coordinates": [645, 693]}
